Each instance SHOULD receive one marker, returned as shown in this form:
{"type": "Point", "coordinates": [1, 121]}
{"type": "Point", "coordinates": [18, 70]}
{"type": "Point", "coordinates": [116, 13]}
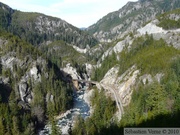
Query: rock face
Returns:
{"type": "Point", "coordinates": [111, 76]}
{"type": "Point", "coordinates": [125, 83]}
{"type": "Point", "coordinates": [75, 76]}
{"type": "Point", "coordinates": [26, 72]}
{"type": "Point", "coordinates": [125, 22]}
{"type": "Point", "coordinates": [170, 36]}
{"type": "Point", "coordinates": [35, 74]}
{"type": "Point", "coordinates": [71, 71]}
{"type": "Point", "coordinates": [8, 61]}
{"type": "Point", "coordinates": [117, 48]}
{"type": "Point", "coordinates": [89, 69]}
{"type": "Point", "coordinates": [174, 16]}
{"type": "Point", "coordinates": [76, 85]}
{"type": "Point", "coordinates": [45, 24]}
{"type": "Point", "coordinates": [132, 16]}
{"type": "Point", "coordinates": [23, 90]}
{"type": "Point", "coordinates": [126, 87]}
{"type": "Point", "coordinates": [151, 28]}
{"type": "Point", "coordinates": [80, 50]}
{"type": "Point", "coordinates": [40, 29]}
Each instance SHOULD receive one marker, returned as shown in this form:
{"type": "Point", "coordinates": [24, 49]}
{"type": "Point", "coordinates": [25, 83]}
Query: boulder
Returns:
{"type": "Point", "coordinates": [23, 87]}
{"type": "Point", "coordinates": [34, 73]}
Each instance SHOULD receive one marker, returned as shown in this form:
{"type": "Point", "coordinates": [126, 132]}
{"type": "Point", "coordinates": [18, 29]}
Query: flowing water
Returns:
{"type": "Point", "coordinates": [68, 118]}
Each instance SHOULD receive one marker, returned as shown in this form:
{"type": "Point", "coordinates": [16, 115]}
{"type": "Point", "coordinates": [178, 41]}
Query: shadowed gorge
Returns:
{"type": "Point", "coordinates": [123, 71]}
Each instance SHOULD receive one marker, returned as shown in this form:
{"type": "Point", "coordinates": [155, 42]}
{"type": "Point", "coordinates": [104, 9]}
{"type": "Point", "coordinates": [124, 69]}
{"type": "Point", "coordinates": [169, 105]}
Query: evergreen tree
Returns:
{"type": "Point", "coordinates": [2, 128]}
{"type": "Point", "coordinates": [55, 129]}
{"type": "Point", "coordinates": [15, 129]}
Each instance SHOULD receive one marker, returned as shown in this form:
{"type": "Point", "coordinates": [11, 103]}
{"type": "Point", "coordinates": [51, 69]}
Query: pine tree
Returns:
{"type": "Point", "coordinates": [55, 129]}
{"type": "Point", "coordinates": [2, 128]}
{"type": "Point", "coordinates": [15, 129]}
{"type": "Point", "coordinates": [156, 99]}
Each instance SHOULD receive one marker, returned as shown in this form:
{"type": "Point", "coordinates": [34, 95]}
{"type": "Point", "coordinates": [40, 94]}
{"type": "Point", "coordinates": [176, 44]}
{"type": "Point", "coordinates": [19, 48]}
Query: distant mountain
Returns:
{"type": "Point", "coordinates": [83, 28]}
{"type": "Point", "coordinates": [37, 28]}
{"type": "Point", "coordinates": [132, 16]}
{"type": "Point", "coordinates": [139, 69]}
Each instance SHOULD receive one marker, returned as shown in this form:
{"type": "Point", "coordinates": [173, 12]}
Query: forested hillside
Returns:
{"type": "Point", "coordinates": [154, 103]}
{"type": "Point", "coordinates": [37, 29]}
{"type": "Point", "coordinates": [129, 18]}
{"type": "Point", "coordinates": [31, 90]}
{"type": "Point", "coordinates": [57, 79]}
{"type": "Point", "coordinates": [61, 53]}
{"type": "Point", "coordinates": [170, 20]}
{"type": "Point", "coordinates": [153, 99]}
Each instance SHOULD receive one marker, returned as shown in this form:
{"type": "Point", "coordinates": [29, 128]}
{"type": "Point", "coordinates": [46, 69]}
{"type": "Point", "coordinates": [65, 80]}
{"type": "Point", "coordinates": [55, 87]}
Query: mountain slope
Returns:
{"type": "Point", "coordinates": [32, 88]}
{"type": "Point", "coordinates": [142, 68]}
{"type": "Point", "coordinates": [129, 18]}
{"type": "Point", "coordinates": [37, 28]}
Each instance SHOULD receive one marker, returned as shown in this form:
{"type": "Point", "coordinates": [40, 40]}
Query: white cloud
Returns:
{"type": "Point", "coordinates": [80, 13]}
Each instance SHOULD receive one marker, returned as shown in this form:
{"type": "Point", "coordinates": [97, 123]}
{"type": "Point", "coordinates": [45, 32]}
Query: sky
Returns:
{"type": "Point", "coordinates": [80, 13]}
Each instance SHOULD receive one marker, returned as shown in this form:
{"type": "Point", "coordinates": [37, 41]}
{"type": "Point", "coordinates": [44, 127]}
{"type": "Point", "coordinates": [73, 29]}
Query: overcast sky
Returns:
{"type": "Point", "coordinates": [80, 13]}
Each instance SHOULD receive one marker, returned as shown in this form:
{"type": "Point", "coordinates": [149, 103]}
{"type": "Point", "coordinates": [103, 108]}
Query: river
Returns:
{"type": "Point", "coordinates": [67, 120]}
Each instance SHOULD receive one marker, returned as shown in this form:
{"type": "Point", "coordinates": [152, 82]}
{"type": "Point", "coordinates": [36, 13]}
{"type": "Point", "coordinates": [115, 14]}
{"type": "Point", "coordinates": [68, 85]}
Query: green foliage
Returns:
{"type": "Point", "coordinates": [51, 95]}
{"type": "Point", "coordinates": [2, 128]}
{"type": "Point", "coordinates": [108, 63]}
{"type": "Point", "coordinates": [0, 67]}
{"type": "Point", "coordinates": [149, 102]}
{"type": "Point", "coordinates": [154, 100]}
{"type": "Point", "coordinates": [24, 25]}
{"type": "Point", "coordinates": [5, 18]}
{"type": "Point", "coordinates": [62, 94]}
{"type": "Point", "coordinates": [157, 100]}
{"type": "Point", "coordinates": [129, 13]}
{"type": "Point", "coordinates": [61, 53]}
{"type": "Point", "coordinates": [22, 48]}
{"type": "Point", "coordinates": [169, 23]}
{"type": "Point", "coordinates": [55, 129]}
{"type": "Point", "coordinates": [104, 108]}
{"type": "Point", "coordinates": [149, 55]}
{"type": "Point", "coordinates": [172, 84]}
{"type": "Point", "coordinates": [13, 119]}
{"type": "Point", "coordinates": [4, 93]}
{"type": "Point", "coordinates": [79, 128]}
{"type": "Point", "coordinates": [166, 5]}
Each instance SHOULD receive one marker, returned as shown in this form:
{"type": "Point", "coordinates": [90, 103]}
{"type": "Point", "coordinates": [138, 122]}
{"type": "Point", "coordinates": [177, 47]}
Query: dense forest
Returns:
{"type": "Point", "coordinates": [157, 99]}
{"type": "Point", "coordinates": [29, 27]}
{"type": "Point", "coordinates": [25, 118]}
{"type": "Point", "coordinates": [168, 20]}
{"type": "Point", "coordinates": [34, 89]}
{"type": "Point", "coordinates": [102, 116]}
{"type": "Point", "coordinates": [153, 104]}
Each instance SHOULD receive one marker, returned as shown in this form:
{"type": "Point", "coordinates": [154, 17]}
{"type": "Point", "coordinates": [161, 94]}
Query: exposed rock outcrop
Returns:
{"type": "Point", "coordinates": [118, 47]}
{"type": "Point", "coordinates": [71, 71]}
{"type": "Point", "coordinates": [129, 18]}
{"type": "Point", "coordinates": [24, 92]}
{"type": "Point", "coordinates": [35, 73]}
{"type": "Point", "coordinates": [151, 28]}
{"type": "Point", "coordinates": [127, 82]}
{"type": "Point", "coordinates": [43, 28]}
{"type": "Point", "coordinates": [170, 36]}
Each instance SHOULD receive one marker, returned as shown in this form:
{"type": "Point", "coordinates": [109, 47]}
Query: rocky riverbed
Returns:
{"type": "Point", "coordinates": [81, 107]}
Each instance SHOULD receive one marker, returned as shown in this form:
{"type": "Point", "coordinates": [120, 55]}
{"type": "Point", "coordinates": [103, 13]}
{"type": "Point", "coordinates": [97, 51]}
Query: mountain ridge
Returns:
{"type": "Point", "coordinates": [129, 18]}
{"type": "Point", "coordinates": [141, 66]}
{"type": "Point", "coordinates": [37, 28]}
